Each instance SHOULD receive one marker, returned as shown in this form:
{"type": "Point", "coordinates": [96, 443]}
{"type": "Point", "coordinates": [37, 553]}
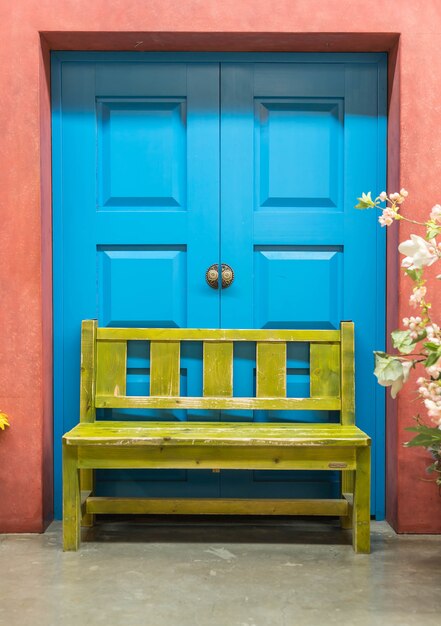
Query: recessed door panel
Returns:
{"type": "Point", "coordinates": [301, 283]}
{"type": "Point", "coordinates": [129, 275]}
{"type": "Point", "coordinates": [141, 153]}
{"type": "Point", "coordinates": [294, 140]}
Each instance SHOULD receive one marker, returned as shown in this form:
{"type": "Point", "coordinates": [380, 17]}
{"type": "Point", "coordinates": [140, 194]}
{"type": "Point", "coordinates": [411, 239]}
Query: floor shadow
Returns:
{"type": "Point", "coordinates": [218, 529]}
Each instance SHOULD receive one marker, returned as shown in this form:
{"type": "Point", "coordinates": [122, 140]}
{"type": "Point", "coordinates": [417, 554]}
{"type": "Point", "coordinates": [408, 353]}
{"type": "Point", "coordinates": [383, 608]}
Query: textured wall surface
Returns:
{"type": "Point", "coordinates": [29, 28]}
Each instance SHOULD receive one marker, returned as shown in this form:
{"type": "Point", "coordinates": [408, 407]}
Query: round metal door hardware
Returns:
{"type": "Point", "coordinates": [227, 276]}
{"type": "Point", "coordinates": [212, 276]}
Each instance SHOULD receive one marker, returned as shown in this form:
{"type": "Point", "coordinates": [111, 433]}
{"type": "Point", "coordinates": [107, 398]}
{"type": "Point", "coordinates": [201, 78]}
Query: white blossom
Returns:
{"type": "Point", "coordinates": [397, 384]}
{"type": "Point", "coordinates": [418, 251]}
{"type": "Point", "coordinates": [435, 213]}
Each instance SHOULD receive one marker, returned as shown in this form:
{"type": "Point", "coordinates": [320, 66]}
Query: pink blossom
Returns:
{"type": "Point", "coordinates": [417, 296]}
{"type": "Point", "coordinates": [385, 221]}
{"type": "Point", "coordinates": [383, 196]}
{"type": "Point", "coordinates": [412, 321]}
{"type": "Point", "coordinates": [387, 217]}
{"type": "Point", "coordinates": [404, 192]}
{"type": "Point", "coordinates": [398, 198]}
{"type": "Point", "coordinates": [433, 333]}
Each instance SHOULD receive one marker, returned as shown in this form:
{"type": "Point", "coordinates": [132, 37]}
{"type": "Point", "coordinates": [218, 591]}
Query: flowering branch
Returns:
{"type": "Point", "coordinates": [419, 341]}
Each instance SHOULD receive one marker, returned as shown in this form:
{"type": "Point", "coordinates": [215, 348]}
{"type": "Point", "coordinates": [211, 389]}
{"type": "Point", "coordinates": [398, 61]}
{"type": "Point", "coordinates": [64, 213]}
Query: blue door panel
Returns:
{"type": "Point", "coordinates": [139, 166]}
{"type": "Point", "coordinates": [293, 159]}
{"type": "Point", "coordinates": [282, 297]}
{"type": "Point", "coordinates": [129, 275]}
{"type": "Point", "coordinates": [167, 163]}
{"type": "Point", "coordinates": [152, 132]}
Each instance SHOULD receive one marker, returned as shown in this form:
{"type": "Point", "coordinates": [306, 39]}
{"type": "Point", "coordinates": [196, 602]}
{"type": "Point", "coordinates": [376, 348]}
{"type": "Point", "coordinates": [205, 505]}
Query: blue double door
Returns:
{"type": "Point", "coordinates": [167, 164]}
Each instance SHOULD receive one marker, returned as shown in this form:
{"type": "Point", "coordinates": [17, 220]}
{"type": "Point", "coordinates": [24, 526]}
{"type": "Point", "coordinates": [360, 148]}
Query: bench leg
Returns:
{"type": "Point", "coordinates": [361, 511]}
{"type": "Point", "coordinates": [71, 499]}
{"type": "Point", "coordinates": [87, 483]}
{"type": "Point", "coordinates": [347, 491]}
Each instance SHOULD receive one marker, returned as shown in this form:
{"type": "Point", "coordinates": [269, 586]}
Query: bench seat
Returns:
{"type": "Point", "coordinates": [214, 434]}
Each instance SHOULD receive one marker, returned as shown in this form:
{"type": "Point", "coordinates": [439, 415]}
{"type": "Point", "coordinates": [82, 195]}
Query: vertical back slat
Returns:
{"type": "Point", "coordinates": [271, 369]}
{"type": "Point", "coordinates": [164, 368]}
{"type": "Point", "coordinates": [324, 362]}
{"type": "Point", "coordinates": [87, 377]}
{"type": "Point", "coordinates": [111, 368]}
{"type": "Point", "coordinates": [347, 373]}
{"type": "Point", "coordinates": [218, 368]}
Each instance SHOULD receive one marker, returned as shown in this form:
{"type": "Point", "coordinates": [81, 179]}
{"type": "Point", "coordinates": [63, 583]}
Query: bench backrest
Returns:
{"type": "Point", "coordinates": [104, 369]}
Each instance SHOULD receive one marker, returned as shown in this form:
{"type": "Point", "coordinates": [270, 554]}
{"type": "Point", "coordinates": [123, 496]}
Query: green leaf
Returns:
{"type": "Point", "coordinates": [432, 358]}
{"type": "Point", "coordinates": [427, 436]}
{"type": "Point", "coordinates": [366, 202]}
{"type": "Point", "coordinates": [415, 274]}
{"type": "Point", "coordinates": [432, 231]}
{"type": "Point", "coordinates": [431, 346]}
{"type": "Point", "coordinates": [402, 341]}
{"type": "Point", "coordinates": [422, 428]}
{"type": "Point", "coordinates": [420, 440]}
{"type": "Point", "coordinates": [387, 368]}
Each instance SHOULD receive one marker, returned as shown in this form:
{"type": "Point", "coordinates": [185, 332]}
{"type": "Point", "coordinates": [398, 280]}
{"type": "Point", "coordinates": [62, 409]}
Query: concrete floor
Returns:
{"type": "Point", "coordinates": [260, 572]}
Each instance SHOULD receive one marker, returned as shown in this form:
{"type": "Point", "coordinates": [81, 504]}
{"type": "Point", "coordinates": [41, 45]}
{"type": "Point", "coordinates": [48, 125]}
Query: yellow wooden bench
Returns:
{"type": "Point", "coordinates": [216, 445]}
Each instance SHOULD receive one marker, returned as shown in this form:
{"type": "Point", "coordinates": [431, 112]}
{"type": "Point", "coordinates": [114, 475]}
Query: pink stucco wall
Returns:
{"type": "Point", "coordinates": [28, 30]}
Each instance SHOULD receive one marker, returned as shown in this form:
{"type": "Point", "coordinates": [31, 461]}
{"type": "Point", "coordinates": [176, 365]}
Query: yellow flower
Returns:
{"type": "Point", "coordinates": [3, 420]}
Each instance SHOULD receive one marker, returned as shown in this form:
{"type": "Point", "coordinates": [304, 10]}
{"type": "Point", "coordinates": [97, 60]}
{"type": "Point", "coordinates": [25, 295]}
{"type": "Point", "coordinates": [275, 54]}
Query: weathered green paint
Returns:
{"type": "Point", "coordinates": [71, 499]}
{"type": "Point", "coordinates": [218, 369]}
{"type": "Point", "coordinates": [361, 535]}
{"type": "Point", "coordinates": [205, 506]}
{"type": "Point", "coordinates": [267, 457]}
{"type": "Point", "coordinates": [347, 373]}
{"type": "Point", "coordinates": [347, 490]}
{"type": "Point", "coordinates": [215, 334]}
{"type": "Point", "coordinates": [111, 366]}
{"type": "Point", "coordinates": [164, 368]}
{"type": "Point", "coordinates": [270, 369]}
{"type": "Point", "coordinates": [221, 445]}
{"type": "Point", "coordinates": [87, 398]}
{"type": "Point", "coordinates": [181, 402]}
{"type": "Point", "coordinates": [324, 365]}
{"type": "Point", "coordinates": [88, 370]}
{"type": "Point", "coordinates": [243, 434]}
